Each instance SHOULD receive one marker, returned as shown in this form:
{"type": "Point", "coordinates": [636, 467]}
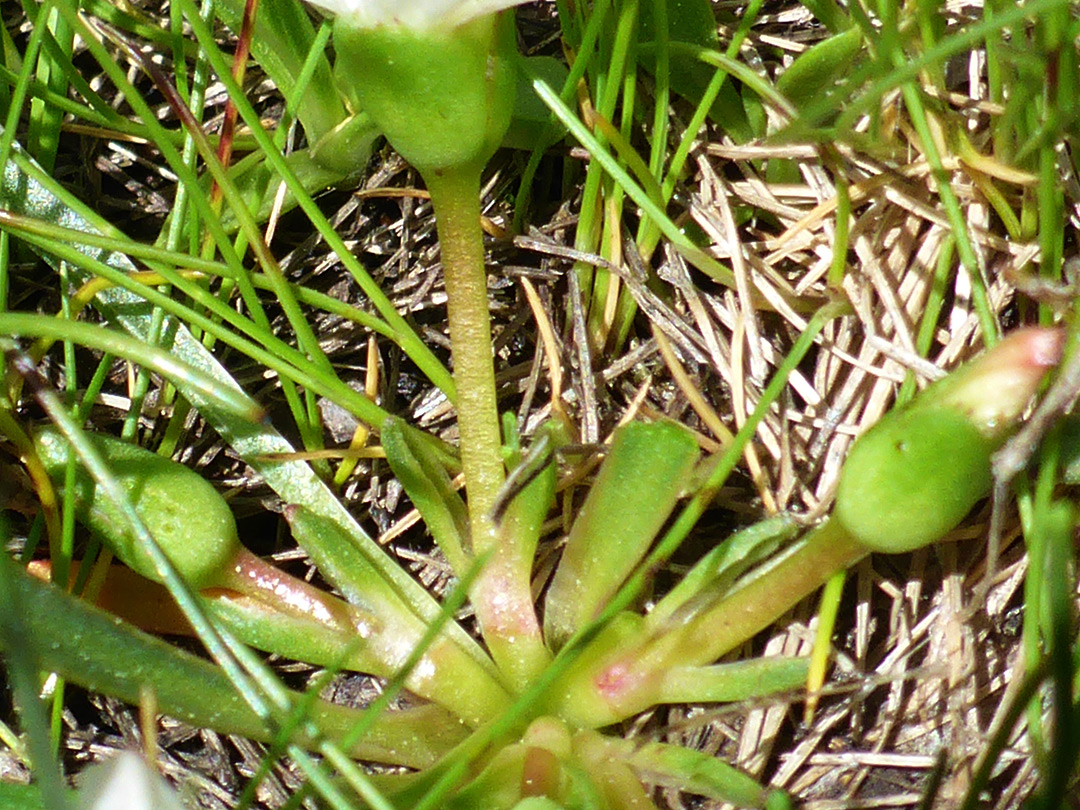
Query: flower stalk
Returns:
{"type": "Point", "coordinates": [634, 679]}
{"type": "Point", "coordinates": [455, 194]}
{"type": "Point", "coordinates": [438, 79]}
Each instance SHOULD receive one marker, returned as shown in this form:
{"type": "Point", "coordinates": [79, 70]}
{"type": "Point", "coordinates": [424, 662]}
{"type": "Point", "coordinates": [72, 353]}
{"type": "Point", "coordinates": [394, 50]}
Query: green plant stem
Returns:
{"type": "Point", "coordinates": [613, 686]}
{"type": "Point", "coordinates": [766, 596]}
{"type": "Point", "coordinates": [455, 194]}
{"type": "Point", "coordinates": [500, 594]}
{"type": "Point", "coordinates": [739, 680]}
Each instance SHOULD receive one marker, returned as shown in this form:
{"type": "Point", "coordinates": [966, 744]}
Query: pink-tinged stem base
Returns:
{"type": "Point", "coordinates": [500, 594]}
{"type": "Point", "coordinates": [629, 677]}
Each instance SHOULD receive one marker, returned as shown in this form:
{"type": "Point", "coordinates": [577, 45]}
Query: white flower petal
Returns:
{"type": "Point", "coordinates": [417, 15]}
{"type": "Point", "coordinates": [126, 783]}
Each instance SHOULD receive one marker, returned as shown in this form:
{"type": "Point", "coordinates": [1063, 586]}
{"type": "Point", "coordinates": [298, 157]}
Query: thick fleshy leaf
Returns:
{"type": "Point", "coordinates": [468, 684]}
{"type": "Point", "coordinates": [201, 542]}
{"type": "Point", "coordinates": [815, 71]}
{"type": "Point", "coordinates": [637, 487]}
{"type": "Point", "coordinates": [697, 772]}
{"type": "Point", "coordinates": [429, 487]}
{"type": "Point", "coordinates": [95, 650]}
{"type": "Point", "coordinates": [714, 575]}
{"type": "Point", "coordinates": [739, 680]}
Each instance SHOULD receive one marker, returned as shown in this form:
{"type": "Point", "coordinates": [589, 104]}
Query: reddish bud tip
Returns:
{"type": "Point", "coordinates": [994, 388]}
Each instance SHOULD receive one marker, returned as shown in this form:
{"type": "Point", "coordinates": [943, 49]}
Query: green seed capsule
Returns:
{"type": "Point", "coordinates": [189, 519]}
{"type": "Point", "coordinates": [913, 477]}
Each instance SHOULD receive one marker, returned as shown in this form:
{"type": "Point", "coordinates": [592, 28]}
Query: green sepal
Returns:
{"type": "Point", "coordinates": [258, 182]}
{"type": "Point", "coordinates": [443, 98]}
{"type": "Point", "coordinates": [346, 148]}
{"type": "Point", "coordinates": [915, 474]}
{"type": "Point", "coordinates": [913, 477]}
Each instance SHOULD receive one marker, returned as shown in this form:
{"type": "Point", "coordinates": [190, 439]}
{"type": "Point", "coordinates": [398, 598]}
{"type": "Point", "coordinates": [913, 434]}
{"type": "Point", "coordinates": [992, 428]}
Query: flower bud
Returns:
{"type": "Point", "coordinates": [914, 475]}
{"type": "Point", "coordinates": [994, 389]}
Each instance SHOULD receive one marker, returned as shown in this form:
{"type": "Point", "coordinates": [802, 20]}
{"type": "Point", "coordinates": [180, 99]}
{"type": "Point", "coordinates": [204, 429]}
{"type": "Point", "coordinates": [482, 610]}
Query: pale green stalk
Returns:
{"type": "Point", "coordinates": [629, 675]}
{"type": "Point", "coordinates": [455, 194]}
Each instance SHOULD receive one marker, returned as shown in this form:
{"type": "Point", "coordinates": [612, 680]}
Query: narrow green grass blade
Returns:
{"type": "Point", "coordinates": [693, 22]}
{"type": "Point", "coordinates": [632, 189]}
{"type": "Point", "coordinates": [25, 797]}
{"type": "Point", "coordinates": [281, 43]}
{"type": "Point", "coordinates": [430, 489]}
{"type": "Point", "coordinates": [24, 661]}
{"type": "Point", "coordinates": [713, 575]}
{"type": "Point", "coordinates": [163, 259]}
{"type": "Point", "coordinates": [406, 337]}
{"type": "Point", "coordinates": [955, 44]}
{"type": "Point", "coordinates": [43, 134]}
{"type": "Point", "coordinates": [287, 361]}
{"type": "Point", "coordinates": [965, 246]}
{"type": "Point", "coordinates": [20, 89]}
{"type": "Point", "coordinates": [231, 402]}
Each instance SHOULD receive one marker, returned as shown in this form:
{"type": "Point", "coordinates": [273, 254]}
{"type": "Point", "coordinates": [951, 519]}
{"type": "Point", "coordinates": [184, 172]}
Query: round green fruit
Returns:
{"type": "Point", "coordinates": [187, 517]}
{"type": "Point", "coordinates": [913, 477]}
